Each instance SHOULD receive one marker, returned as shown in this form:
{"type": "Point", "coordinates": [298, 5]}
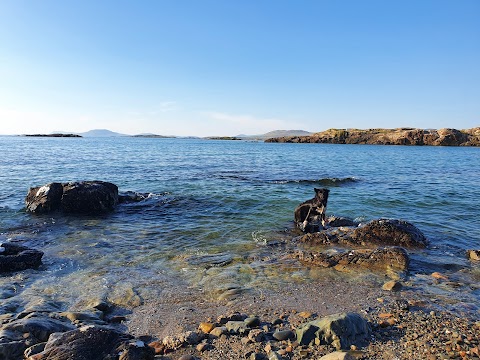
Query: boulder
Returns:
{"type": "Point", "coordinates": [95, 343]}
{"type": "Point", "coordinates": [84, 197]}
{"type": "Point", "coordinates": [16, 257]}
{"type": "Point", "coordinates": [389, 232]}
{"type": "Point", "coordinates": [341, 330]}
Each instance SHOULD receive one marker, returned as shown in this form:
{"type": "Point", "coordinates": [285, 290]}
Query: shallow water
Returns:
{"type": "Point", "coordinates": [218, 208]}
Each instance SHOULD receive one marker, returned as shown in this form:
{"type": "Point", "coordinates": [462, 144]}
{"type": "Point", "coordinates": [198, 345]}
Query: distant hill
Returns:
{"type": "Point", "coordinates": [275, 134]}
{"type": "Point", "coordinates": [101, 133]}
{"type": "Point", "coordinates": [149, 135]}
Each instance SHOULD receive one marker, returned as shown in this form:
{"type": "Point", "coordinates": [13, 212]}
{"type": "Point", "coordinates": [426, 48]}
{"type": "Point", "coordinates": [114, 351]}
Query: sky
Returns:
{"type": "Point", "coordinates": [213, 68]}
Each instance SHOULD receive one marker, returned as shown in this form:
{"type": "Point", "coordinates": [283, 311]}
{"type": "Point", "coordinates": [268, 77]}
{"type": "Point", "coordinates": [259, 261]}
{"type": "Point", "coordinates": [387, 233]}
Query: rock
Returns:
{"type": "Point", "coordinates": [38, 328]}
{"type": "Point", "coordinates": [236, 327]}
{"type": "Point", "coordinates": [44, 199]}
{"type": "Point", "coordinates": [236, 316]}
{"type": "Point", "coordinates": [284, 335]}
{"type": "Point", "coordinates": [16, 258]}
{"type": "Point", "coordinates": [438, 276]}
{"type": "Point", "coordinates": [392, 285]}
{"type": "Point", "coordinates": [473, 255]}
{"type": "Point", "coordinates": [340, 330]}
{"type": "Point", "coordinates": [84, 197]}
{"type": "Point", "coordinates": [310, 215]}
{"type": "Point", "coordinates": [252, 321]}
{"type": "Point", "coordinates": [305, 314]}
{"type": "Point", "coordinates": [35, 349]}
{"type": "Point", "coordinates": [388, 259]}
{"type": "Point", "coordinates": [390, 232]}
{"type": "Point", "coordinates": [128, 197]}
{"type": "Point", "coordinates": [95, 343]}
{"type": "Point", "coordinates": [12, 349]}
{"type": "Point", "coordinates": [84, 317]}
{"type": "Point", "coordinates": [206, 327]}
{"type": "Point", "coordinates": [381, 232]}
{"type": "Point", "coordinates": [177, 341]}
{"type": "Point", "coordinates": [256, 335]}
{"type": "Point", "coordinates": [218, 331]}
{"type": "Point", "coordinates": [123, 295]}
{"type": "Point", "coordinates": [338, 355]}
{"type": "Point", "coordinates": [186, 357]}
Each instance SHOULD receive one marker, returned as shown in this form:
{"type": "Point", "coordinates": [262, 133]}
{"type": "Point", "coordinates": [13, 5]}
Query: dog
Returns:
{"type": "Point", "coordinates": [309, 214]}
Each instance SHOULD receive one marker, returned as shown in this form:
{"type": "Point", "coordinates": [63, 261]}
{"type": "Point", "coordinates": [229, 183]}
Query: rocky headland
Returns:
{"type": "Point", "coordinates": [400, 136]}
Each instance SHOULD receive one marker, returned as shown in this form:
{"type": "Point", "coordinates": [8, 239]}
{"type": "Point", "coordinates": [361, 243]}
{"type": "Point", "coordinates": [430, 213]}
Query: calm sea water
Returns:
{"type": "Point", "coordinates": [216, 204]}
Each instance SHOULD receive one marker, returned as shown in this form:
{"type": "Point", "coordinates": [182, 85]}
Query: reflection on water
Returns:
{"type": "Point", "coordinates": [220, 214]}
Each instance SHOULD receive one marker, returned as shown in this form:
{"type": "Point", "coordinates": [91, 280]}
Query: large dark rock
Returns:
{"type": "Point", "coordinates": [84, 197]}
{"type": "Point", "coordinates": [390, 232]}
{"type": "Point", "coordinates": [381, 232]}
{"type": "Point", "coordinates": [16, 257]}
{"type": "Point", "coordinates": [95, 343]}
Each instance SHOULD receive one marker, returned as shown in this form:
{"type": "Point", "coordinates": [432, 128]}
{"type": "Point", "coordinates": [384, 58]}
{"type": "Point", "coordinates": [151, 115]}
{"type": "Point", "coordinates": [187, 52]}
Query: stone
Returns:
{"type": "Point", "coordinates": [341, 330]}
{"type": "Point", "coordinates": [256, 335]}
{"type": "Point", "coordinates": [35, 349]}
{"type": "Point", "coordinates": [438, 276]}
{"type": "Point", "coordinates": [83, 197]}
{"type": "Point", "coordinates": [206, 327]}
{"type": "Point", "coordinates": [252, 321]}
{"type": "Point", "coordinates": [124, 295]}
{"type": "Point", "coordinates": [392, 285]}
{"type": "Point", "coordinates": [236, 327]}
{"type": "Point", "coordinates": [305, 314]}
{"type": "Point", "coordinates": [177, 341]}
{"type": "Point", "coordinates": [12, 349]}
{"type": "Point", "coordinates": [16, 258]}
{"type": "Point", "coordinates": [338, 355]}
{"type": "Point", "coordinates": [336, 221]}
{"type": "Point", "coordinates": [186, 357]}
{"type": "Point", "coordinates": [473, 255]}
{"type": "Point", "coordinates": [284, 335]}
{"type": "Point", "coordinates": [218, 331]}
{"type": "Point", "coordinates": [135, 350]}
{"type": "Point", "coordinates": [38, 328]}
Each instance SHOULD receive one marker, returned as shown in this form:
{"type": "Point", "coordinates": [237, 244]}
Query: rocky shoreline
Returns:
{"type": "Point", "coordinates": [400, 136]}
{"type": "Point", "coordinates": [363, 307]}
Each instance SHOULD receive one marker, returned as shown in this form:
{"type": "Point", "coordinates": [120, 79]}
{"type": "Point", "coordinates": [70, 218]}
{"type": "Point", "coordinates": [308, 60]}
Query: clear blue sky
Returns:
{"type": "Point", "coordinates": [204, 67]}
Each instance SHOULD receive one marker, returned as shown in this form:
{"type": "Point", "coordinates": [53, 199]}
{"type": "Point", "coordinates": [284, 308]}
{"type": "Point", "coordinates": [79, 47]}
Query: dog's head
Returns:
{"type": "Point", "coordinates": [321, 194]}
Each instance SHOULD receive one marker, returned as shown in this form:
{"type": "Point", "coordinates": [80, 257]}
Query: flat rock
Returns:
{"type": "Point", "coordinates": [341, 330]}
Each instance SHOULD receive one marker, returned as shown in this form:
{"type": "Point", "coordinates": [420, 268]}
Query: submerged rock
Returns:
{"type": "Point", "coordinates": [381, 259]}
{"type": "Point", "coordinates": [16, 257]}
{"type": "Point", "coordinates": [341, 330]}
{"type": "Point", "coordinates": [84, 197]}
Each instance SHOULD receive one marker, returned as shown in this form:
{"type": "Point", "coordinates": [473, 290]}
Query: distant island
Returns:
{"type": "Point", "coordinates": [400, 136]}
{"type": "Point", "coordinates": [155, 136]}
{"type": "Point", "coordinates": [223, 138]}
{"type": "Point", "coordinates": [54, 135]}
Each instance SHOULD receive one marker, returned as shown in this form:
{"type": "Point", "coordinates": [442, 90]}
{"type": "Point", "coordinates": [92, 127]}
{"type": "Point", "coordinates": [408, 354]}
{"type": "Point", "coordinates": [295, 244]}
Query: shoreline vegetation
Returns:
{"type": "Point", "coordinates": [399, 136]}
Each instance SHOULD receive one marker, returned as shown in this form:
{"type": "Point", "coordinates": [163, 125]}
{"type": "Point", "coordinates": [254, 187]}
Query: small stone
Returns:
{"type": "Point", "coordinates": [203, 347]}
{"type": "Point", "coordinates": [256, 335]}
{"type": "Point", "coordinates": [305, 314]}
{"type": "Point", "coordinates": [206, 327]}
{"type": "Point", "coordinates": [268, 348]}
{"type": "Point", "coordinates": [252, 321]}
{"type": "Point", "coordinates": [283, 335]}
{"type": "Point", "coordinates": [218, 331]}
{"type": "Point", "coordinates": [392, 285]}
{"type": "Point", "coordinates": [385, 315]}
{"type": "Point", "coordinates": [439, 276]}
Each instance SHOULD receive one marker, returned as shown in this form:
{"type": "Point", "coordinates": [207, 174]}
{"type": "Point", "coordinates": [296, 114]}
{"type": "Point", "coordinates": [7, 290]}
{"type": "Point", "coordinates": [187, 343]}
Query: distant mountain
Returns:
{"type": "Point", "coordinates": [275, 134]}
{"type": "Point", "coordinates": [100, 133]}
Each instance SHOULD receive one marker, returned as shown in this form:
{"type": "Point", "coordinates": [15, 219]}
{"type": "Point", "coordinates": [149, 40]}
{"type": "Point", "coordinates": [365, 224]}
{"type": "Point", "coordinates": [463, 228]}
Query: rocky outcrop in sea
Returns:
{"type": "Point", "coordinates": [400, 136]}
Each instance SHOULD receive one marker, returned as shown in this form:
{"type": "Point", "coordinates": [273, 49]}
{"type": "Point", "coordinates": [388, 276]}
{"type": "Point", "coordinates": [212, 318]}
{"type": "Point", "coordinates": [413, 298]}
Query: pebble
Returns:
{"type": "Point", "coordinates": [206, 327]}
{"type": "Point", "coordinates": [283, 335]}
{"type": "Point", "coordinates": [392, 285]}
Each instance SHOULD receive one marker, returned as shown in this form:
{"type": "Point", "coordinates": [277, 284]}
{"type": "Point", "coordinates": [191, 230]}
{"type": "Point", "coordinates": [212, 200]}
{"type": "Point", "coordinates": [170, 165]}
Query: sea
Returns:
{"type": "Point", "coordinates": [216, 207]}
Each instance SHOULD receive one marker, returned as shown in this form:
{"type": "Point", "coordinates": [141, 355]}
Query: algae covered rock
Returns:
{"type": "Point", "coordinates": [341, 330]}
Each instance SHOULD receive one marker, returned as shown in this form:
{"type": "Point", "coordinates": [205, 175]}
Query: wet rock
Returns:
{"type": "Point", "coordinates": [381, 232]}
{"type": "Point", "coordinates": [93, 343]}
{"type": "Point", "coordinates": [16, 258]}
{"type": "Point", "coordinates": [84, 197]}
{"type": "Point", "coordinates": [473, 255]}
{"type": "Point", "coordinates": [381, 259]}
{"type": "Point", "coordinates": [390, 232]}
{"type": "Point", "coordinates": [340, 330]}
{"type": "Point", "coordinates": [128, 197]}
{"type": "Point", "coordinates": [38, 328]}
